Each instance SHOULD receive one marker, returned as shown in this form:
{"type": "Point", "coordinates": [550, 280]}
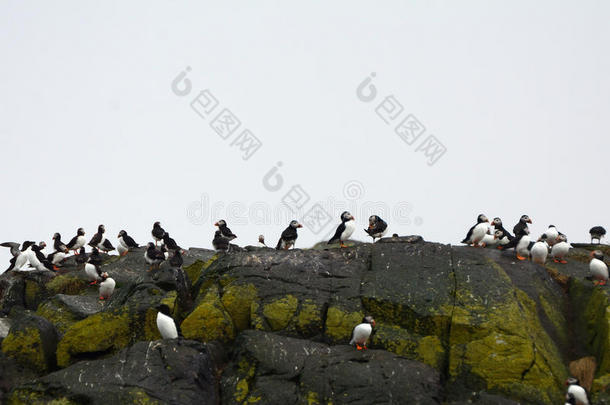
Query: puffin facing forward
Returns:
{"type": "Point", "coordinates": [377, 227]}
{"type": "Point", "coordinates": [289, 236]}
{"type": "Point", "coordinates": [78, 241]}
{"type": "Point", "coordinates": [344, 230]}
{"type": "Point", "coordinates": [540, 250]}
{"type": "Point", "coordinates": [106, 286]}
{"type": "Point", "coordinates": [477, 232]}
{"type": "Point", "coordinates": [560, 249]}
{"type": "Point", "coordinates": [578, 392]}
{"type": "Point", "coordinates": [362, 332]}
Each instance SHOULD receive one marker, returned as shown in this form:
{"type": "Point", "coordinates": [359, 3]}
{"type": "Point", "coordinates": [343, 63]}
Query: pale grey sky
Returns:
{"type": "Point", "coordinates": [518, 92]}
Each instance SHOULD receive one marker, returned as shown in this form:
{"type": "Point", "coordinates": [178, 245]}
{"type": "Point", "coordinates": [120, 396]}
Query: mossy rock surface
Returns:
{"type": "Point", "coordinates": [65, 310]}
{"type": "Point", "coordinates": [209, 321]}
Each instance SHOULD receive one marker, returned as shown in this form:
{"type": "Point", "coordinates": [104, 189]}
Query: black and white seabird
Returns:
{"type": "Point", "coordinates": [377, 227]}
{"type": "Point", "coordinates": [492, 239]}
{"type": "Point", "coordinates": [165, 323]}
{"type": "Point", "coordinates": [289, 236]}
{"type": "Point", "coordinates": [597, 232]}
{"type": "Point", "coordinates": [225, 232]}
{"type": "Point", "coordinates": [344, 230]}
{"type": "Point", "coordinates": [92, 267]}
{"type": "Point", "coordinates": [261, 241]}
{"type": "Point", "coordinates": [477, 231]}
{"type": "Point", "coordinates": [20, 256]}
{"type": "Point", "coordinates": [540, 250]}
{"type": "Point", "coordinates": [176, 260]}
{"type": "Point", "coordinates": [37, 258]}
{"type": "Point", "coordinates": [106, 286]}
{"type": "Point", "coordinates": [157, 232]}
{"type": "Point", "coordinates": [153, 256]}
{"type": "Point", "coordinates": [78, 241]}
{"type": "Point", "coordinates": [126, 242]}
{"type": "Point", "coordinates": [220, 243]}
{"type": "Point", "coordinates": [81, 257]}
{"type": "Point", "coordinates": [170, 243]}
{"type": "Point", "coordinates": [560, 249]}
{"type": "Point", "coordinates": [551, 235]}
{"type": "Point", "coordinates": [497, 224]}
{"type": "Point", "coordinates": [362, 332]}
{"type": "Point", "coordinates": [60, 250]}
{"type": "Point", "coordinates": [598, 268]}
{"type": "Point", "coordinates": [522, 224]}
{"type": "Point", "coordinates": [578, 392]}
{"type": "Point", "coordinates": [100, 241]}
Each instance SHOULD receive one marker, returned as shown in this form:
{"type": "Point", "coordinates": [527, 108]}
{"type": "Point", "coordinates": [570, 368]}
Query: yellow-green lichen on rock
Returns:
{"type": "Point", "coordinates": [102, 332]}
{"type": "Point", "coordinates": [26, 347]}
{"type": "Point", "coordinates": [209, 320]}
{"type": "Point", "coordinates": [237, 300]}
{"type": "Point", "coordinates": [68, 284]}
{"type": "Point", "coordinates": [57, 315]}
{"type": "Point", "coordinates": [278, 313]}
{"type": "Point", "coordinates": [309, 318]}
{"type": "Point", "coordinates": [24, 396]}
{"type": "Point", "coordinates": [340, 323]}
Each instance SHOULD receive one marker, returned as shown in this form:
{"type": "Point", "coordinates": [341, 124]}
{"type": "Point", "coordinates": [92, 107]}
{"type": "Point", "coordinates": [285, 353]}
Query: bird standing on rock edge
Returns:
{"type": "Point", "coordinates": [78, 241]}
{"type": "Point", "coordinates": [598, 268]}
{"type": "Point", "coordinates": [289, 236]}
{"type": "Point", "coordinates": [126, 242]}
{"type": "Point", "coordinates": [157, 232]}
{"type": "Point", "coordinates": [344, 230]}
{"type": "Point", "coordinates": [377, 227]}
{"type": "Point", "coordinates": [477, 232]}
{"type": "Point", "coordinates": [225, 232]}
{"type": "Point", "coordinates": [362, 332]}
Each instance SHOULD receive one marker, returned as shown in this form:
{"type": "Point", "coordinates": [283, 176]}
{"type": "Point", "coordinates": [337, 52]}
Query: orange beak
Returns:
{"type": "Point", "coordinates": [215, 223]}
{"type": "Point", "coordinates": [299, 226]}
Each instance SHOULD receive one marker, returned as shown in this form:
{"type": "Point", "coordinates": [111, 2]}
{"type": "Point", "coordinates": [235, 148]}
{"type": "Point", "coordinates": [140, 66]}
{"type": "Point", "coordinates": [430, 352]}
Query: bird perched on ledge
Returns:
{"type": "Point", "coordinates": [289, 236]}
{"type": "Point", "coordinates": [344, 230]}
{"type": "Point", "coordinates": [377, 227]}
{"type": "Point", "coordinates": [477, 232]}
{"type": "Point", "coordinates": [362, 332]}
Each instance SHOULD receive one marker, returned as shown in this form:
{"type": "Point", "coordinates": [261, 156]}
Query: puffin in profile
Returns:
{"type": "Point", "coordinates": [598, 268]}
{"type": "Point", "coordinates": [165, 323]}
{"type": "Point", "coordinates": [106, 286]}
{"type": "Point", "coordinates": [99, 241]}
{"type": "Point", "coordinates": [344, 230]}
{"type": "Point", "coordinates": [37, 259]}
{"type": "Point", "coordinates": [225, 232]}
{"type": "Point", "coordinates": [497, 224]}
{"type": "Point", "coordinates": [170, 243]}
{"type": "Point", "coordinates": [362, 332]}
{"type": "Point", "coordinates": [377, 227]}
{"type": "Point", "coordinates": [477, 231]}
{"type": "Point", "coordinates": [220, 243]}
{"type": "Point", "coordinates": [492, 240]}
{"type": "Point", "coordinates": [289, 236]}
{"type": "Point", "coordinates": [540, 250]}
{"type": "Point", "coordinates": [522, 224]}
{"type": "Point", "coordinates": [261, 241]}
{"type": "Point", "coordinates": [578, 392]}
{"type": "Point", "coordinates": [153, 256]}
{"type": "Point", "coordinates": [176, 260]}
{"type": "Point", "coordinates": [597, 232]}
{"type": "Point", "coordinates": [78, 241]}
{"type": "Point", "coordinates": [126, 242]}
{"type": "Point", "coordinates": [157, 232]}
{"type": "Point", "coordinates": [59, 254]}
{"type": "Point", "coordinates": [560, 249]}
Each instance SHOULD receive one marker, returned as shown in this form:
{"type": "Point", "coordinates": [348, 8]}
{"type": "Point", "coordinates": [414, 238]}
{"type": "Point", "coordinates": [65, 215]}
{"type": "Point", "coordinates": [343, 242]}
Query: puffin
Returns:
{"type": "Point", "coordinates": [170, 243]}
{"type": "Point", "coordinates": [165, 323]}
{"type": "Point", "coordinates": [491, 240]}
{"type": "Point", "coordinates": [126, 242]}
{"type": "Point", "coordinates": [289, 236]}
{"type": "Point", "coordinates": [20, 256]}
{"type": "Point", "coordinates": [106, 286]}
{"type": "Point", "coordinates": [37, 259]}
{"type": "Point", "coordinates": [377, 227]}
{"type": "Point", "coordinates": [225, 232]}
{"type": "Point", "coordinates": [176, 260]}
{"type": "Point", "coordinates": [597, 267]}
{"type": "Point", "coordinates": [497, 224]}
{"type": "Point", "coordinates": [220, 244]}
{"type": "Point", "coordinates": [597, 232]}
{"type": "Point", "coordinates": [100, 241]}
{"type": "Point", "coordinates": [59, 255]}
{"type": "Point", "coordinates": [92, 267]}
{"type": "Point", "coordinates": [477, 231]}
{"type": "Point", "coordinates": [81, 257]}
{"type": "Point", "coordinates": [551, 235]}
{"type": "Point", "coordinates": [78, 241]}
{"type": "Point", "coordinates": [578, 392]}
{"type": "Point", "coordinates": [344, 230]}
{"type": "Point", "coordinates": [261, 241]}
{"type": "Point", "coordinates": [540, 250]}
{"type": "Point", "coordinates": [522, 224]}
{"type": "Point", "coordinates": [153, 256]}
{"type": "Point", "coordinates": [521, 243]}
{"type": "Point", "coordinates": [560, 249]}
{"type": "Point", "coordinates": [362, 332]}
{"type": "Point", "coordinates": [157, 232]}
{"type": "Point", "coordinates": [570, 400]}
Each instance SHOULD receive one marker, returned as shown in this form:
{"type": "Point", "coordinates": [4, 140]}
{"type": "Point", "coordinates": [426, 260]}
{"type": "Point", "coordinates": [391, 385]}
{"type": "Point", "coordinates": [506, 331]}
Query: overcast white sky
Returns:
{"type": "Point", "coordinates": [518, 93]}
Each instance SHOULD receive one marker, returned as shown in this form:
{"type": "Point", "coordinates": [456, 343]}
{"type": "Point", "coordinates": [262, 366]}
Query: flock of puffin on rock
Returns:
{"type": "Point", "coordinates": [553, 242]}
{"type": "Point", "coordinates": [479, 235]}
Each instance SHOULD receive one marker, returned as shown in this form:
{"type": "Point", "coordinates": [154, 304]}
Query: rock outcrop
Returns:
{"type": "Point", "coordinates": [454, 325]}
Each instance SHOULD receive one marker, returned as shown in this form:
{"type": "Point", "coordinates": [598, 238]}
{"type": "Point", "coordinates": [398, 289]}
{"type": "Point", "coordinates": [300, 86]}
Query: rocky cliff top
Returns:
{"type": "Point", "coordinates": [454, 325]}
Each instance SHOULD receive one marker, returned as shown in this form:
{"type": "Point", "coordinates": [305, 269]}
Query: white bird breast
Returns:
{"type": "Point", "coordinates": [361, 333]}
{"type": "Point", "coordinates": [350, 227]}
{"type": "Point", "coordinates": [598, 269]}
{"type": "Point", "coordinates": [107, 287]}
{"type": "Point", "coordinates": [479, 232]}
{"type": "Point", "coordinates": [91, 272]}
{"type": "Point", "coordinates": [166, 326]}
